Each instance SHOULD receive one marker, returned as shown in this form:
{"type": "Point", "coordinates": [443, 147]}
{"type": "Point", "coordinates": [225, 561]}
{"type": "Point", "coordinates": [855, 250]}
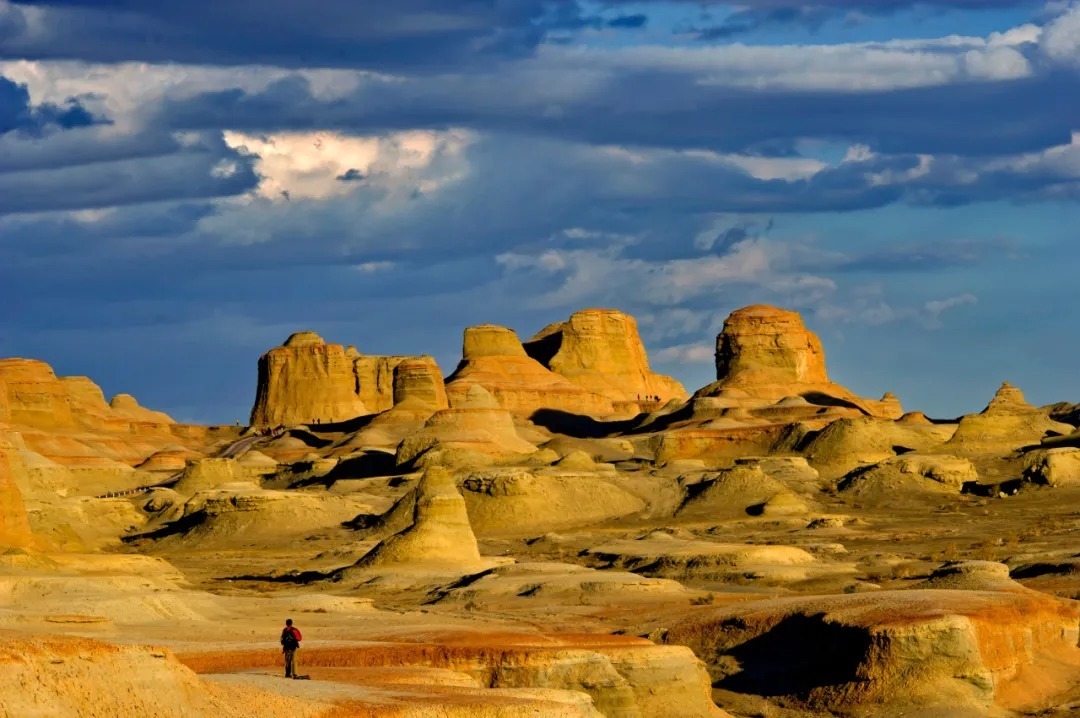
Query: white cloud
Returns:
{"type": "Point", "coordinates": [686, 354]}
{"type": "Point", "coordinates": [374, 267]}
{"type": "Point", "coordinates": [996, 63]}
{"type": "Point", "coordinates": [751, 262]}
{"type": "Point", "coordinates": [1060, 39]}
{"type": "Point", "coordinates": [933, 309]}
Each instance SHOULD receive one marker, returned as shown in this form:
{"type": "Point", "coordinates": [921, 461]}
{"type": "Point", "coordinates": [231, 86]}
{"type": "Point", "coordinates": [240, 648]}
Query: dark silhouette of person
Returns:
{"type": "Point", "coordinates": [290, 644]}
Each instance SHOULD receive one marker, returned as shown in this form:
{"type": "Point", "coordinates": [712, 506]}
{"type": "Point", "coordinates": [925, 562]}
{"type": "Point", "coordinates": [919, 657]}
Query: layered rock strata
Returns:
{"type": "Point", "coordinates": [601, 351]}
{"type": "Point", "coordinates": [494, 358]}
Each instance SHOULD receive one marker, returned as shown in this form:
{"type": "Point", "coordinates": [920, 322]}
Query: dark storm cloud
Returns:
{"type": "Point", "coordinates": [18, 114]}
{"type": "Point", "coordinates": [783, 14]}
{"type": "Point", "coordinates": [328, 33]}
{"type": "Point", "coordinates": [203, 170]}
{"type": "Point", "coordinates": [669, 109]}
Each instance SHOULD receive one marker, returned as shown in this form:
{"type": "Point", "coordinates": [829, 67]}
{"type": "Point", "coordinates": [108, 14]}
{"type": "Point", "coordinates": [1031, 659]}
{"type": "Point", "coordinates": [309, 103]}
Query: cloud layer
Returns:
{"type": "Point", "coordinates": [200, 180]}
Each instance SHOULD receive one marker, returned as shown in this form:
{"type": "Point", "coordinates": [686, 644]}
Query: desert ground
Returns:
{"type": "Point", "coordinates": [551, 529]}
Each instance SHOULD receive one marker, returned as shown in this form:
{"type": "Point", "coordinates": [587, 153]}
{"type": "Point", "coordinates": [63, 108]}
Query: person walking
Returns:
{"type": "Point", "coordinates": [290, 644]}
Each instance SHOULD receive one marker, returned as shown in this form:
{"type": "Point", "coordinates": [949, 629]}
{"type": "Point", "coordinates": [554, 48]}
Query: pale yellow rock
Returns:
{"type": "Point", "coordinates": [521, 502]}
{"type": "Point", "coordinates": [601, 351]}
{"type": "Point", "coordinates": [14, 524]}
{"type": "Point", "coordinates": [205, 474]}
{"type": "Point", "coordinates": [440, 533]}
{"type": "Point", "coordinates": [911, 473]}
{"type": "Point", "coordinates": [1053, 467]}
{"type": "Point", "coordinates": [306, 381]}
{"type": "Point", "coordinates": [1008, 422]}
{"type": "Point", "coordinates": [376, 378]}
{"type": "Point", "coordinates": [127, 406]}
{"type": "Point", "coordinates": [934, 652]}
{"type": "Point", "coordinates": [768, 353]}
{"type": "Point", "coordinates": [476, 424]}
{"type": "Point", "coordinates": [493, 357]}
{"type": "Point", "coordinates": [419, 383]}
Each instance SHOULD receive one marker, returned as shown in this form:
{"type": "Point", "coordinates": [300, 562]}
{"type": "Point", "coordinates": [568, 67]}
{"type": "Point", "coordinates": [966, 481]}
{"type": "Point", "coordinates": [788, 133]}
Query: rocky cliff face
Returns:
{"type": "Point", "coordinates": [14, 525]}
{"type": "Point", "coordinates": [763, 346]}
{"type": "Point", "coordinates": [375, 378]}
{"type": "Point", "coordinates": [418, 383]}
{"type": "Point", "coordinates": [303, 381]}
{"type": "Point", "coordinates": [307, 380]}
{"type": "Point", "coordinates": [767, 354]}
{"type": "Point", "coordinates": [493, 357]}
{"type": "Point", "coordinates": [34, 398]}
{"type": "Point", "coordinates": [601, 351]}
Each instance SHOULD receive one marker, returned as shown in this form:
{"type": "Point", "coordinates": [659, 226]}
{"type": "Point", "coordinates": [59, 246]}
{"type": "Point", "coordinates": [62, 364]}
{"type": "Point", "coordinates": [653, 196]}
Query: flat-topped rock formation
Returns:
{"type": "Point", "coordinates": [418, 383]}
{"type": "Point", "coordinates": [305, 381]}
{"type": "Point", "coordinates": [418, 392]}
{"type": "Point", "coordinates": [600, 350]}
{"type": "Point", "coordinates": [375, 377]}
{"type": "Point", "coordinates": [769, 354]}
{"type": "Point", "coordinates": [494, 358]}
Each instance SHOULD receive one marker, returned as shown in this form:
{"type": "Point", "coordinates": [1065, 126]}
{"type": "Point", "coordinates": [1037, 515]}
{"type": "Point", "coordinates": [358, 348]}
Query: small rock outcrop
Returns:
{"type": "Point", "coordinates": [601, 351]}
{"type": "Point", "coordinates": [910, 474]}
{"type": "Point", "coordinates": [305, 381]}
{"type": "Point", "coordinates": [494, 358]}
{"type": "Point", "coordinates": [1008, 422]}
{"type": "Point", "coordinates": [1053, 467]}
{"type": "Point", "coordinates": [126, 405]}
{"type": "Point", "coordinates": [440, 534]}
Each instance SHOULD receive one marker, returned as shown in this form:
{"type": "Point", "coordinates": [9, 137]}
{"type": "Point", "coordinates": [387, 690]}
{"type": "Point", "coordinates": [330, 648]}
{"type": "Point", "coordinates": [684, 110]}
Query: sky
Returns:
{"type": "Point", "coordinates": [183, 185]}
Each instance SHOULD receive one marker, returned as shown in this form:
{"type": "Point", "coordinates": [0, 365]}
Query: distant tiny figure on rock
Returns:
{"type": "Point", "coordinates": [290, 644]}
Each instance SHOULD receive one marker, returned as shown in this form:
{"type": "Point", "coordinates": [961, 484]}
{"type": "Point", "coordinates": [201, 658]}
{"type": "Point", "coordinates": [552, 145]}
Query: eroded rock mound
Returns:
{"type": "Point", "coordinates": [493, 357]}
{"type": "Point", "coordinates": [305, 381]}
{"type": "Point", "coordinates": [517, 501]}
{"type": "Point", "coordinates": [911, 474]}
{"type": "Point", "coordinates": [1008, 422]}
{"type": "Point", "coordinates": [662, 555]}
{"type": "Point", "coordinates": [1053, 467]}
{"type": "Point", "coordinates": [476, 424]}
{"type": "Point", "coordinates": [440, 534]}
{"type": "Point", "coordinates": [601, 351]}
{"type": "Point", "coordinates": [891, 651]}
{"type": "Point", "coordinates": [730, 493]}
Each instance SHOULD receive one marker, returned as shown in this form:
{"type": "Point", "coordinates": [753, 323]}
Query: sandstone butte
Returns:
{"type": "Point", "coordinates": [768, 354]}
{"type": "Point", "coordinates": [600, 350]}
{"type": "Point", "coordinates": [308, 381]}
{"type": "Point", "coordinates": [774, 543]}
{"type": "Point", "coordinates": [494, 358]}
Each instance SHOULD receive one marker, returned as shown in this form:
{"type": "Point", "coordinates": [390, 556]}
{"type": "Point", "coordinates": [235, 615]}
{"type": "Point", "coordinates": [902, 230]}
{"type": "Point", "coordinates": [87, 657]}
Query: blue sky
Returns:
{"type": "Point", "coordinates": [182, 185]}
